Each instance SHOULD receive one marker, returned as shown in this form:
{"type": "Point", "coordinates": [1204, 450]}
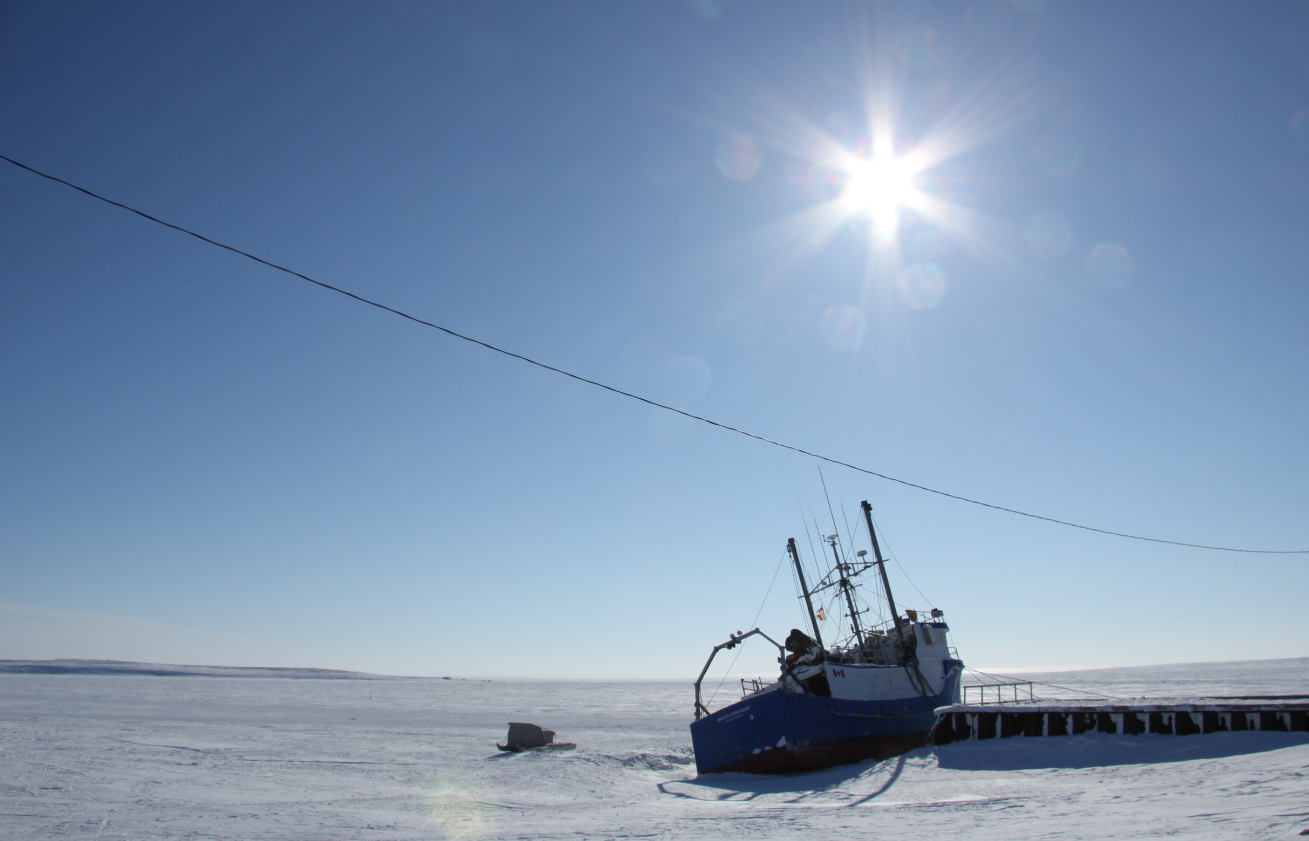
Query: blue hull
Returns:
{"type": "Point", "coordinates": [779, 732]}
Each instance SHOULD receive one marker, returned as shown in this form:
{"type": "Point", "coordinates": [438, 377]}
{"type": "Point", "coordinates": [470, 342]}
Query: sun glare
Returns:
{"type": "Point", "coordinates": [879, 187]}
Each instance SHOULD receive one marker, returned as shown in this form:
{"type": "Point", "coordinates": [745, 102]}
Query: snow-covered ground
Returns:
{"type": "Point", "coordinates": [111, 751]}
{"type": "Point", "coordinates": [1179, 681]}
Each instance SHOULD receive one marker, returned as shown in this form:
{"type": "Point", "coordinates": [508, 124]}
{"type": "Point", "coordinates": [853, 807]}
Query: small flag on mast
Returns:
{"type": "Point", "coordinates": [821, 615]}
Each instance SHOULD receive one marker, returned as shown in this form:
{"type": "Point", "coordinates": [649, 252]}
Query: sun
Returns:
{"type": "Point", "coordinates": [877, 187]}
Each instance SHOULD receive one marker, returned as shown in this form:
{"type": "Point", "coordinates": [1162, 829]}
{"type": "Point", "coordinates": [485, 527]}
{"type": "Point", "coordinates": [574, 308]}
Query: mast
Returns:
{"type": "Point", "coordinates": [849, 596]}
{"type": "Point", "coordinates": [804, 588]}
{"type": "Point", "coordinates": [881, 566]}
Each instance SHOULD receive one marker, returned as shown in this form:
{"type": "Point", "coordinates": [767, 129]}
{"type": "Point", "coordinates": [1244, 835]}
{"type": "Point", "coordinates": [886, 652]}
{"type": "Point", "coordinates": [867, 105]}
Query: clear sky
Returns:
{"type": "Point", "coordinates": [1049, 255]}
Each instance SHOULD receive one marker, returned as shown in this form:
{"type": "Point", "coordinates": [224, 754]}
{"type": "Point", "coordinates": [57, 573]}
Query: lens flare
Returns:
{"type": "Point", "coordinates": [689, 378]}
{"type": "Point", "coordinates": [921, 285]}
{"type": "Point", "coordinates": [708, 9]}
{"type": "Point", "coordinates": [738, 158]}
{"type": "Point", "coordinates": [818, 181]}
{"type": "Point", "coordinates": [1110, 265]}
{"type": "Point", "coordinates": [843, 328]}
{"type": "Point", "coordinates": [1300, 130]}
{"type": "Point", "coordinates": [454, 810]}
{"type": "Point", "coordinates": [868, 178]}
{"type": "Point", "coordinates": [1049, 234]}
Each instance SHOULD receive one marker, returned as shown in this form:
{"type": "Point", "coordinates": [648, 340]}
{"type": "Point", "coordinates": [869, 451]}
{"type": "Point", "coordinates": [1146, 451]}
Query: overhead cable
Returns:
{"type": "Point", "coordinates": [645, 400]}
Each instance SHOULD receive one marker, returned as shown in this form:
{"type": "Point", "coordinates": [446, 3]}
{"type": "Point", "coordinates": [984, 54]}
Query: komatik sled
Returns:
{"type": "Point", "coordinates": [872, 695]}
{"type": "Point", "coordinates": [523, 736]}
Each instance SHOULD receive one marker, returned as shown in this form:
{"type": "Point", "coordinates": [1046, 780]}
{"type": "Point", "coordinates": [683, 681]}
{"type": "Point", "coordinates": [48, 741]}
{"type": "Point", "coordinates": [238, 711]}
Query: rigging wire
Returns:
{"type": "Point", "coordinates": [881, 619]}
{"type": "Point", "coordinates": [875, 604]}
{"type": "Point", "coordinates": [840, 503]}
{"type": "Point", "coordinates": [833, 605]}
{"type": "Point", "coordinates": [768, 592]}
{"type": "Point", "coordinates": [830, 512]}
{"type": "Point", "coordinates": [830, 607]}
{"type": "Point", "coordinates": [813, 553]}
{"type": "Point", "coordinates": [1051, 685]}
{"type": "Point", "coordinates": [639, 398]}
{"type": "Point", "coordinates": [890, 553]}
{"type": "Point", "coordinates": [741, 647]}
{"type": "Point", "coordinates": [911, 581]}
{"type": "Point", "coordinates": [795, 579]}
{"type": "Point", "coordinates": [815, 572]}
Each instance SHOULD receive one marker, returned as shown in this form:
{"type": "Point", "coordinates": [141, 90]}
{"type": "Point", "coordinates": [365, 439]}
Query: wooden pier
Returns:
{"type": "Point", "coordinates": [983, 721]}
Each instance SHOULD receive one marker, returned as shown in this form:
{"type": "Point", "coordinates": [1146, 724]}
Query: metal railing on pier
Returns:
{"type": "Point", "coordinates": [997, 693]}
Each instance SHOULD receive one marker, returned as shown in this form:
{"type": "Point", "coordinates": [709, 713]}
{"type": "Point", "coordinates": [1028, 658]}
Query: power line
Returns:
{"type": "Point", "coordinates": [637, 397]}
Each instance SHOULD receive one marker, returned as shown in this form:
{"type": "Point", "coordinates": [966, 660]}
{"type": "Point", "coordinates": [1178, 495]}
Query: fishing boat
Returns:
{"type": "Point", "coordinates": [871, 694]}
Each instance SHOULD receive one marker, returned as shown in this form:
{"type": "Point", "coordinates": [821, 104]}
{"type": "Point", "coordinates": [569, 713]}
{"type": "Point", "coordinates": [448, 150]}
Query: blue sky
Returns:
{"type": "Point", "coordinates": [1049, 255]}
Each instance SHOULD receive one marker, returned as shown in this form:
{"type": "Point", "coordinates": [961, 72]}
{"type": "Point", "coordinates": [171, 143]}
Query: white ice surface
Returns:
{"type": "Point", "coordinates": [1181, 681]}
{"type": "Point", "coordinates": [230, 754]}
